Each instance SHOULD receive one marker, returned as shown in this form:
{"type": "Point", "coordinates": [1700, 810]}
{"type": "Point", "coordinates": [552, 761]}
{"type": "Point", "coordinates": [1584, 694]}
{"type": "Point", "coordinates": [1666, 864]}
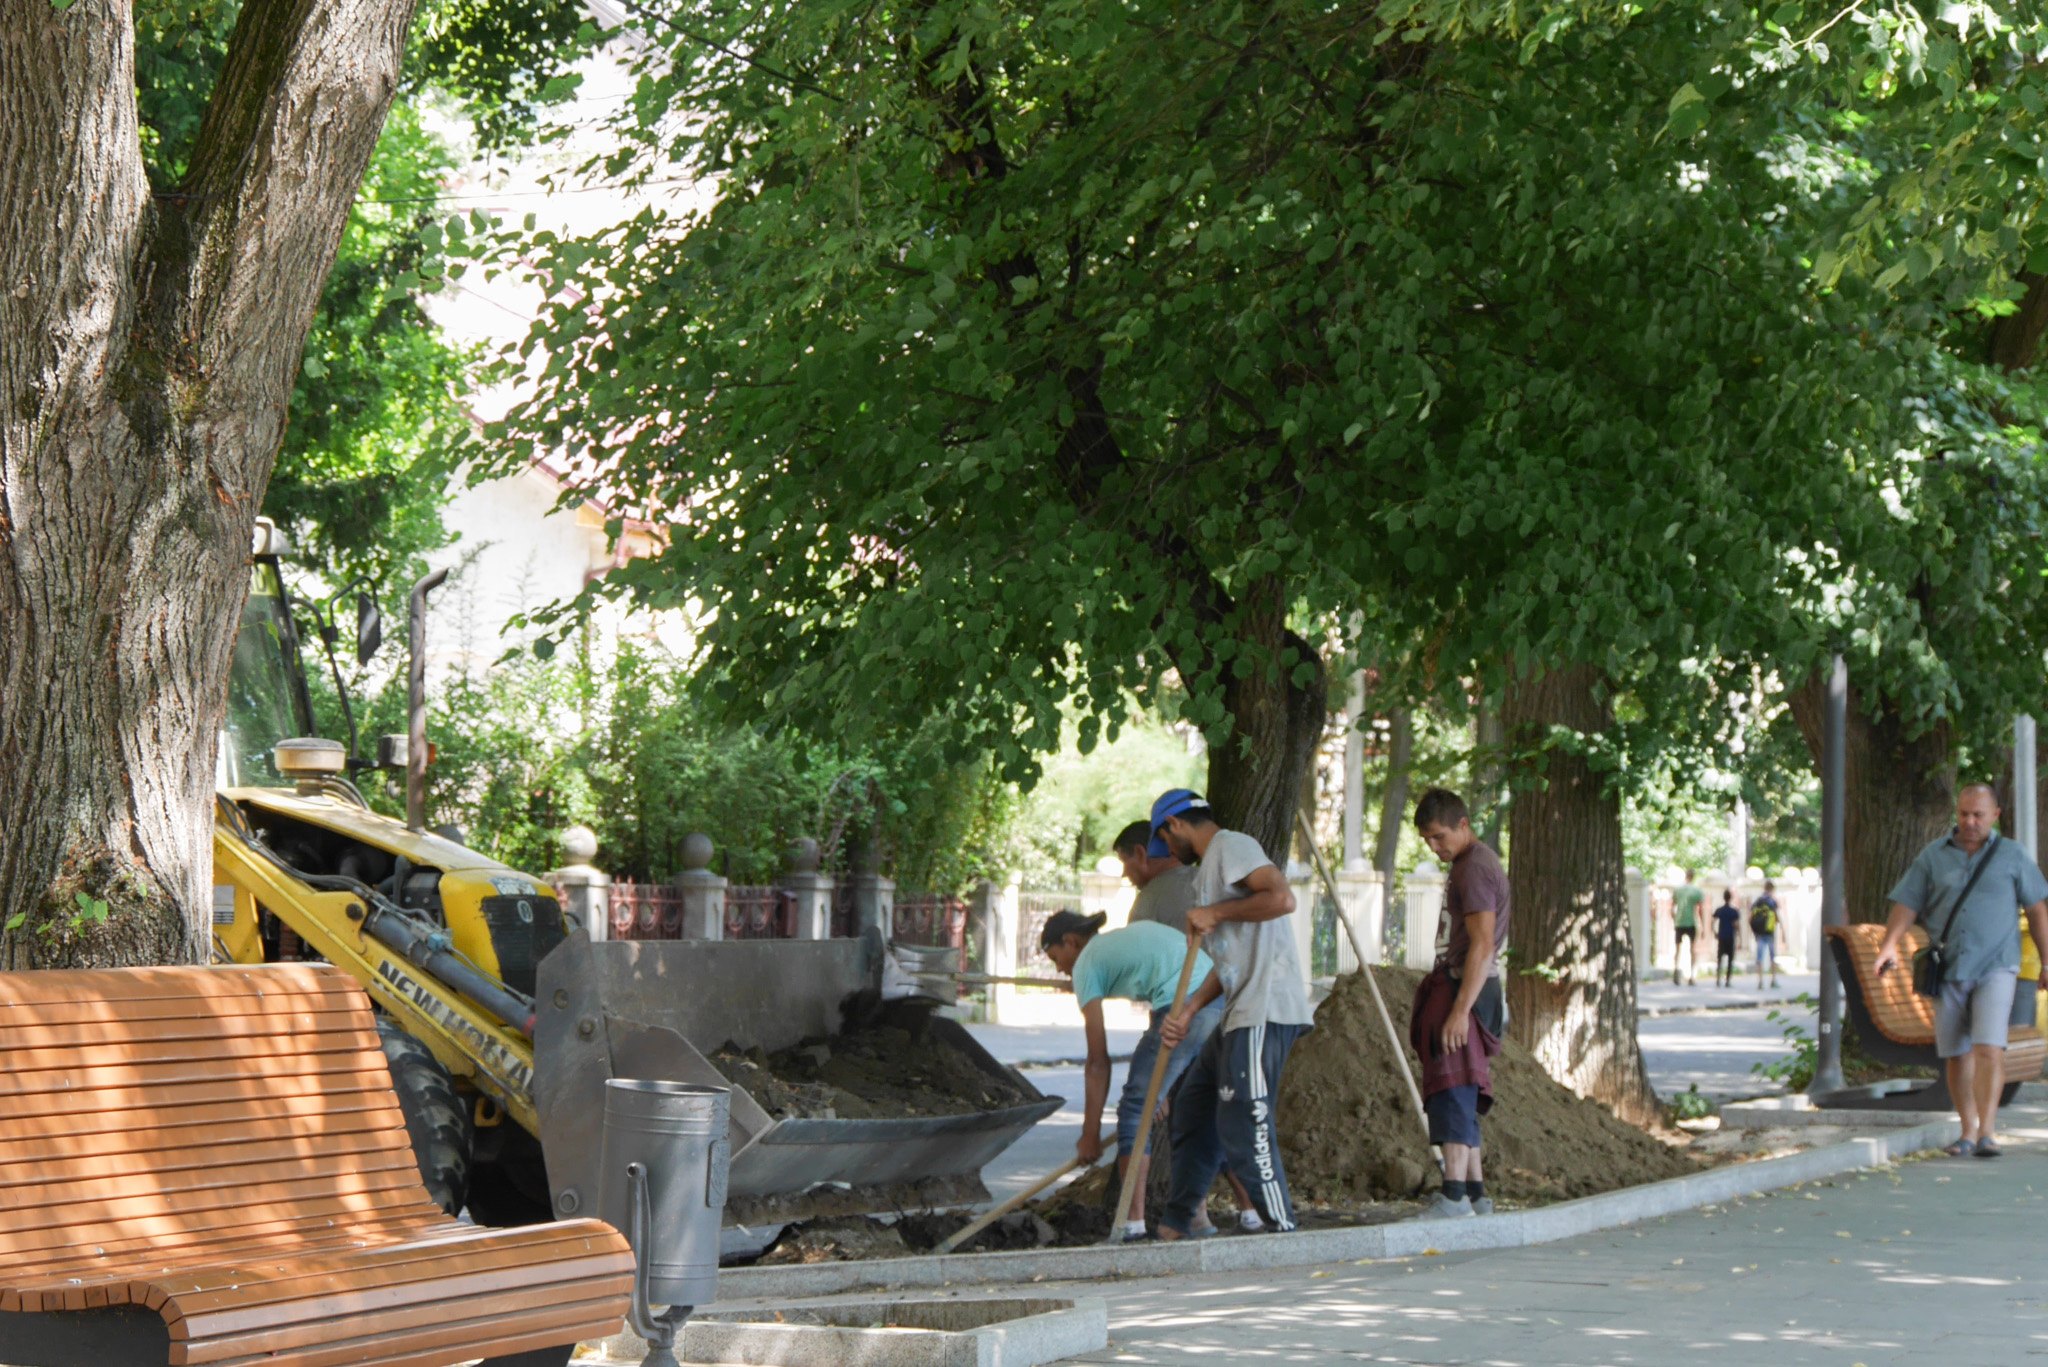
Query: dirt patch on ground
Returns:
{"type": "Point", "coordinates": [1348, 1132]}
{"type": "Point", "coordinates": [889, 1067]}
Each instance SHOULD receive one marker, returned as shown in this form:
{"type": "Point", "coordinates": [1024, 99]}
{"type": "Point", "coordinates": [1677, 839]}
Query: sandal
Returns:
{"type": "Point", "coordinates": [1988, 1148]}
{"type": "Point", "coordinates": [1962, 1148]}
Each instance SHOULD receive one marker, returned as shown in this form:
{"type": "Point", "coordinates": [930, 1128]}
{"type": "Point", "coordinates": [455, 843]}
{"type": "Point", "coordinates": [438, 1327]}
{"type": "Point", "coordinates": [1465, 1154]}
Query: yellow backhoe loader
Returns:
{"type": "Point", "coordinates": [501, 1018]}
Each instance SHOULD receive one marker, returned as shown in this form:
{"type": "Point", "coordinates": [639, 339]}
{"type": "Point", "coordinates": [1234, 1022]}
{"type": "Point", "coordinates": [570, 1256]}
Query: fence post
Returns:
{"type": "Point", "coordinates": [1308, 899]}
{"type": "Point", "coordinates": [1425, 889]}
{"type": "Point", "coordinates": [1641, 931]}
{"type": "Point", "coordinates": [812, 891]}
{"type": "Point", "coordinates": [701, 892]}
{"type": "Point", "coordinates": [586, 893]}
{"type": "Point", "coordinates": [996, 918]}
{"type": "Point", "coordinates": [1106, 892]}
{"type": "Point", "coordinates": [874, 904]}
{"type": "Point", "coordinates": [1364, 895]}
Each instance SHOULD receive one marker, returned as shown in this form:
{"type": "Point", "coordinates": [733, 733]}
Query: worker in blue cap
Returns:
{"type": "Point", "coordinates": [1224, 1110]}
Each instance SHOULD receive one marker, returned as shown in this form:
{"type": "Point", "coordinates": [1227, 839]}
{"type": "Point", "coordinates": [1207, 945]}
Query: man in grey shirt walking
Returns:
{"type": "Point", "coordinates": [1982, 951]}
{"type": "Point", "coordinates": [1166, 887]}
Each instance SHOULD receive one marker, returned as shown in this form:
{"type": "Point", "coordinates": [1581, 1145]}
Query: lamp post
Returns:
{"type": "Point", "coordinates": [1827, 1073]}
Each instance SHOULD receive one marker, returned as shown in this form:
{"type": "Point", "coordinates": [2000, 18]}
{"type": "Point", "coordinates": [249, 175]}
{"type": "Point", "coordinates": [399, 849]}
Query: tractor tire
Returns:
{"type": "Point", "coordinates": [508, 1183]}
{"type": "Point", "coordinates": [436, 1117]}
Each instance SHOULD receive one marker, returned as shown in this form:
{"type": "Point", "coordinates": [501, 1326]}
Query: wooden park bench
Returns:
{"type": "Point", "coordinates": [208, 1165]}
{"type": "Point", "coordinates": [1895, 1025]}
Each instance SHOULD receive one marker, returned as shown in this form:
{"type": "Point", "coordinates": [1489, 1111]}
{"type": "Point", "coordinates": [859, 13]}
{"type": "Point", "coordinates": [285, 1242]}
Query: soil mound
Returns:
{"type": "Point", "coordinates": [888, 1067]}
{"type": "Point", "coordinates": [1348, 1132]}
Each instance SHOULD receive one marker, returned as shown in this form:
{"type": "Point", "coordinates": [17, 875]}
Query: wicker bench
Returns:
{"type": "Point", "coordinates": [208, 1165]}
{"type": "Point", "coordinates": [1895, 1025]}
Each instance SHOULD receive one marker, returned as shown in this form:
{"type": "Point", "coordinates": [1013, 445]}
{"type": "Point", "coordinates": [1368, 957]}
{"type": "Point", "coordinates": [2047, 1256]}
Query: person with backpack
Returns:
{"type": "Point", "coordinates": [1763, 923]}
{"type": "Point", "coordinates": [1727, 921]}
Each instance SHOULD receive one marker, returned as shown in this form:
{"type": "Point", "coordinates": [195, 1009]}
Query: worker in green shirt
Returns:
{"type": "Point", "coordinates": [1685, 915]}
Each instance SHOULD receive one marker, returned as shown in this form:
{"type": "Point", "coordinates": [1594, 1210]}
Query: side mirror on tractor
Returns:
{"type": "Point", "coordinates": [369, 628]}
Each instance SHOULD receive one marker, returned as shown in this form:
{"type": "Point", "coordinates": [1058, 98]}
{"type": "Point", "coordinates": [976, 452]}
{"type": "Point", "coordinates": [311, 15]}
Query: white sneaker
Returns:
{"type": "Point", "coordinates": [1483, 1206]}
{"type": "Point", "coordinates": [1442, 1207]}
{"type": "Point", "coordinates": [1249, 1221]}
{"type": "Point", "coordinates": [1134, 1229]}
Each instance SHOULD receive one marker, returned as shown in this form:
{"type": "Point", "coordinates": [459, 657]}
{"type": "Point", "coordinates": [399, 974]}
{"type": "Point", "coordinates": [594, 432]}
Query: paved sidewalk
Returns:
{"type": "Point", "coordinates": [1660, 996]}
{"type": "Point", "coordinates": [1937, 1261]}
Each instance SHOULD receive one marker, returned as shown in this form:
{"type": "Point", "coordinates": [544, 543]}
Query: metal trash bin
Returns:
{"type": "Point", "coordinates": [664, 1161]}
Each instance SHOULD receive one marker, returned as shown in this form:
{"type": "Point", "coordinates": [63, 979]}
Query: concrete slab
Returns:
{"type": "Point", "coordinates": [950, 1332]}
{"type": "Point", "coordinates": [1796, 1111]}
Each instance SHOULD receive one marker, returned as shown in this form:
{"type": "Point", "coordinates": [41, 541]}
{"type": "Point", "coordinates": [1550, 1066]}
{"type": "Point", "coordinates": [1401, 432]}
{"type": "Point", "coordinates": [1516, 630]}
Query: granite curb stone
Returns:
{"type": "Point", "coordinates": [1308, 1248]}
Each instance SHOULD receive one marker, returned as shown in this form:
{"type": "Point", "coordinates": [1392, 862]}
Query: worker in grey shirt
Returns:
{"type": "Point", "coordinates": [1982, 951]}
{"type": "Point", "coordinates": [1224, 1109]}
{"type": "Point", "coordinates": [1166, 887]}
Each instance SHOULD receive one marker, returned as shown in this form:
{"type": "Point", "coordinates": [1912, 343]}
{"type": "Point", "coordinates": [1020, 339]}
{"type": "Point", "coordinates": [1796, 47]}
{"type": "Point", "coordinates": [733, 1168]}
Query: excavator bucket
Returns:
{"type": "Point", "coordinates": [660, 1010]}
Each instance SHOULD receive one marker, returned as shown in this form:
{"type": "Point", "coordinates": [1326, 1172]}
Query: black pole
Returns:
{"type": "Point", "coordinates": [1827, 1075]}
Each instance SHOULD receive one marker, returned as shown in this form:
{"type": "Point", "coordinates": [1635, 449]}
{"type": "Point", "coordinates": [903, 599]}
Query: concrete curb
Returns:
{"type": "Point", "coordinates": [1308, 1248]}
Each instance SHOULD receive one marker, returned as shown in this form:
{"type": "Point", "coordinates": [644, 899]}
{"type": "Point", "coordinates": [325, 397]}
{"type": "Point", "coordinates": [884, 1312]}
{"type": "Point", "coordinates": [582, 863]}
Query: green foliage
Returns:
{"type": "Point", "coordinates": [534, 745]}
{"type": "Point", "coordinates": [1690, 1105]}
{"type": "Point", "coordinates": [1797, 1067]}
{"type": "Point", "coordinates": [375, 416]}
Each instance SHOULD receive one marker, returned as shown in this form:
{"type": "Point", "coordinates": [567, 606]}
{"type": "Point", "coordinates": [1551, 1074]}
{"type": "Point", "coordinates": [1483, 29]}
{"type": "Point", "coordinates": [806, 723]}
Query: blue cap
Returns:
{"type": "Point", "coordinates": [1172, 802]}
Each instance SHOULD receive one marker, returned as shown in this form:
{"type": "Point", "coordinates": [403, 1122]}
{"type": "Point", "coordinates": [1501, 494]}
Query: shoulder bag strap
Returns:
{"type": "Point", "coordinates": [1983, 863]}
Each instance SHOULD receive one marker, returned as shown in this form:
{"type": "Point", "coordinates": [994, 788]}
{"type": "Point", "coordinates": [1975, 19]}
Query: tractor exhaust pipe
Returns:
{"type": "Point", "coordinates": [416, 704]}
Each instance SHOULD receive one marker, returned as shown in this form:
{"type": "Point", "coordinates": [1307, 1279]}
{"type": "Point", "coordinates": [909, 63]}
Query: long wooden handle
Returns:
{"type": "Point", "coordinates": [1137, 1163]}
{"type": "Point", "coordinates": [987, 1218]}
{"type": "Point", "coordinates": [1308, 838]}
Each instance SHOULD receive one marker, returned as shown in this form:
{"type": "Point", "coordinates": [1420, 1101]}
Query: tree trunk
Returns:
{"type": "Point", "coordinates": [1571, 976]}
{"type": "Point", "coordinates": [1255, 776]}
{"type": "Point", "coordinates": [1488, 752]}
{"type": "Point", "coordinates": [1901, 792]}
{"type": "Point", "coordinates": [148, 346]}
{"type": "Point", "coordinates": [1394, 802]}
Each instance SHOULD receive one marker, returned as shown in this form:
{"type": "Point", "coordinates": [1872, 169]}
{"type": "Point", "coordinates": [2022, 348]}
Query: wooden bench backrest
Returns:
{"type": "Point", "coordinates": [155, 1114]}
{"type": "Point", "coordinates": [1901, 1015]}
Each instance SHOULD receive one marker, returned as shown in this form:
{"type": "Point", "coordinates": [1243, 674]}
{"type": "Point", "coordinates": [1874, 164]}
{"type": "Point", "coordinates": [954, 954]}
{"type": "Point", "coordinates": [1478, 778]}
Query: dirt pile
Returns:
{"type": "Point", "coordinates": [1348, 1131]}
{"type": "Point", "coordinates": [891, 1067]}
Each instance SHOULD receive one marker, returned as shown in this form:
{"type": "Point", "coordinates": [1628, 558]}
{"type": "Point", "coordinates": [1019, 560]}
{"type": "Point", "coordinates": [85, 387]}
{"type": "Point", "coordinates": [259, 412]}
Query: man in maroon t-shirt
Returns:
{"type": "Point", "coordinates": [1470, 936]}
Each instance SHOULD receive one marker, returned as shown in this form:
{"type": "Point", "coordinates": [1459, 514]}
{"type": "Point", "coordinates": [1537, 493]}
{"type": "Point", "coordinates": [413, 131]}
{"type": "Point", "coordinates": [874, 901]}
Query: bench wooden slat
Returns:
{"type": "Point", "coordinates": [104, 1190]}
{"type": "Point", "coordinates": [178, 1151]}
{"type": "Point", "coordinates": [352, 1294]}
{"type": "Point", "coordinates": [148, 1077]}
{"type": "Point", "coordinates": [126, 1099]}
{"type": "Point", "coordinates": [1904, 1017]}
{"type": "Point", "coordinates": [284, 1337]}
{"type": "Point", "coordinates": [213, 1032]}
{"type": "Point", "coordinates": [158, 985]}
{"type": "Point", "coordinates": [220, 1051]}
{"type": "Point", "coordinates": [450, 1342]}
{"type": "Point", "coordinates": [276, 1116]}
{"type": "Point", "coordinates": [37, 1266]}
{"type": "Point", "coordinates": [19, 1015]}
{"type": "Point", "coordinates": [146, 1260]}
{"type": "Point", "coordinates": [223, 1146]}
{"type": "Point", "coordinates": [455, 1242]}
{"type": "Point", "coordinates": [184, 1213]}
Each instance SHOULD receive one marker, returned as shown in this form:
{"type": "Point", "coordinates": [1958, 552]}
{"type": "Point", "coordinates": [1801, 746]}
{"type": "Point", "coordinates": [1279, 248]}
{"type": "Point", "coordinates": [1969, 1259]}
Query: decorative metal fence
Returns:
{"type": "Point", "coordinates": [646, 911]}
{"type": "Point", "coordinates": [759, 912]}
{"type": "Point", "coordinates": [935, 919]}
{"type": "Point", "coordinates": [1034, 909]}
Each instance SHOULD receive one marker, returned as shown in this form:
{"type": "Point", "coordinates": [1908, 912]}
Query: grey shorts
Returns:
{"type": "Point", "coordinates": [1967, 1014]}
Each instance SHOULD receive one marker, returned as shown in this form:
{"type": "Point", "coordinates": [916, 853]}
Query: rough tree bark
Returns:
{"type": "Point", "coordinates": [1900, 791]}
{"type": "Point", "coordinates": [1255, 777]}
{"type": "Point", "coordinates": [148, 345]}
{"type": "Point", "coordinates": [1571, 981]}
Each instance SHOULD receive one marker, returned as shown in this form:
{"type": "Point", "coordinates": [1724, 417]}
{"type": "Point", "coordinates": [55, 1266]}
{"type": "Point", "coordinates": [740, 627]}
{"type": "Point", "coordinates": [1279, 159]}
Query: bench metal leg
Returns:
{"type": "Point", "coordinates": [537, 1357]}
{"type": "Point", "coordinates": [121, 1335]}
